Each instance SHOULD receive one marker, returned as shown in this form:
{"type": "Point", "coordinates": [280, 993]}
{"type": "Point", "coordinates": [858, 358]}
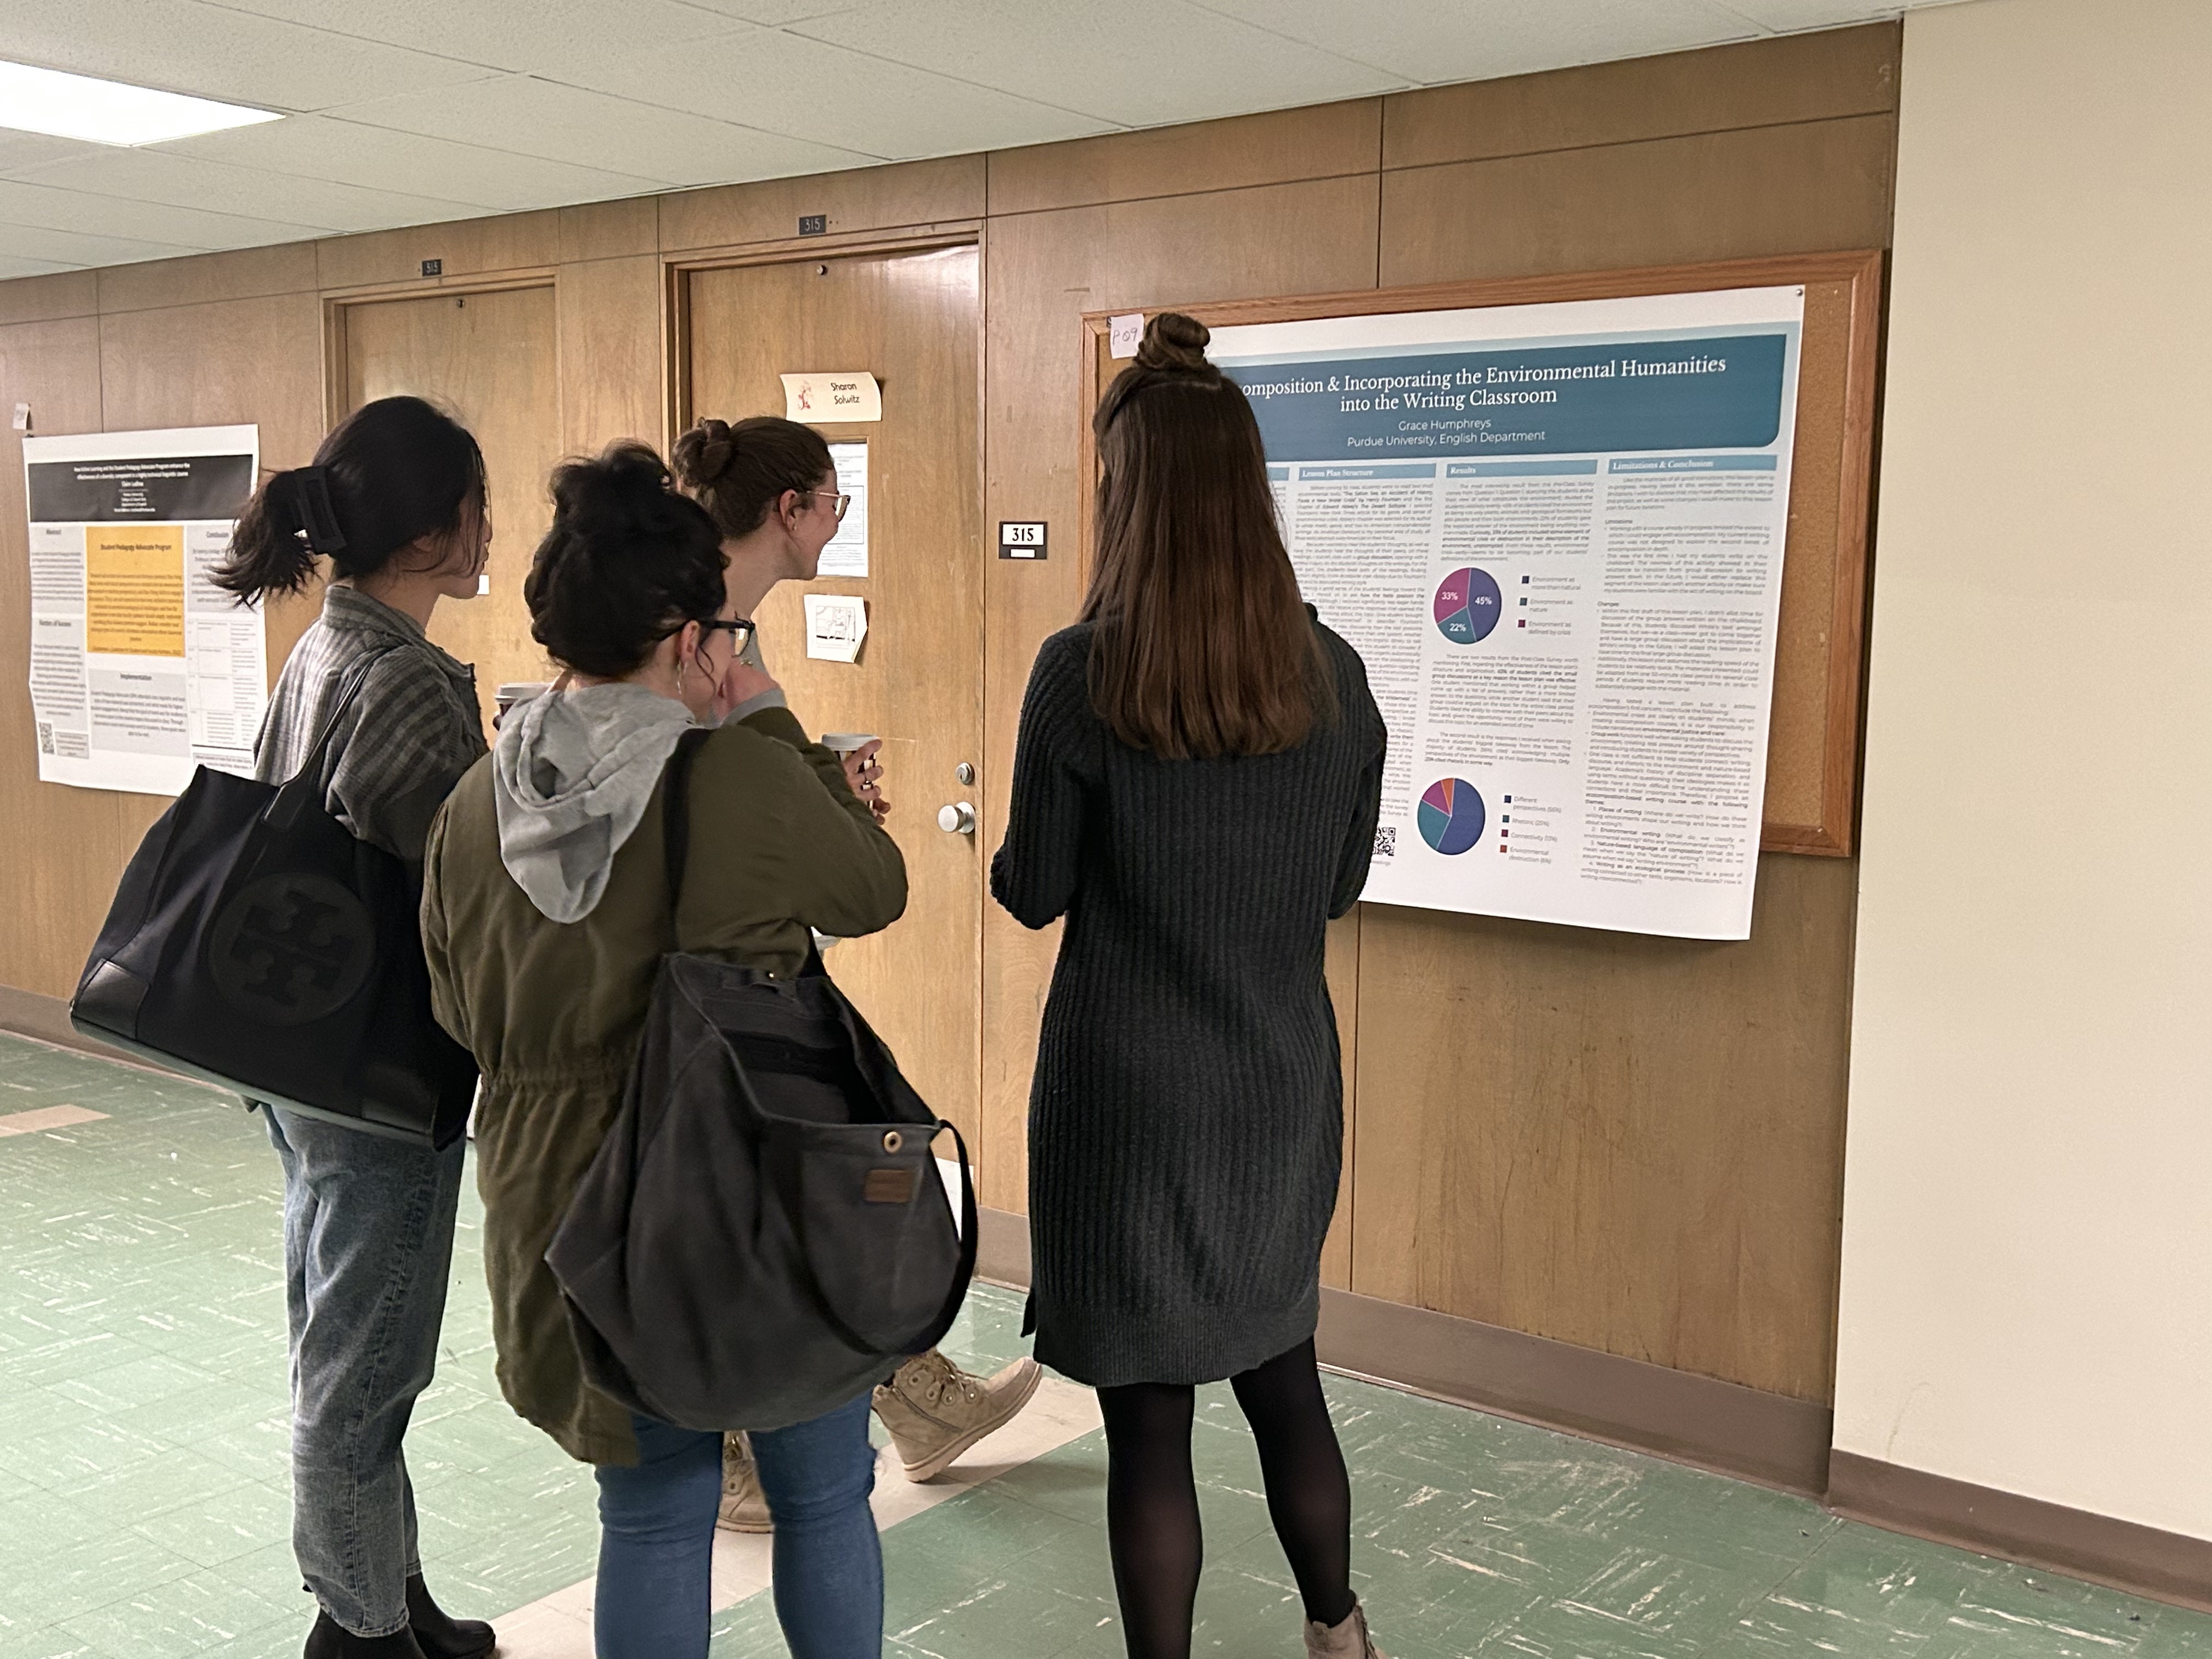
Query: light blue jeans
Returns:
{"type": "Point", "coordinates": [657, 1540]}
{"type": "Point", "coordinates": [369, 1251]}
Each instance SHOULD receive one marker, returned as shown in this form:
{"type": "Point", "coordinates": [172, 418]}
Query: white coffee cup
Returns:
{"type": "Point", "coordinates": [514, 693]}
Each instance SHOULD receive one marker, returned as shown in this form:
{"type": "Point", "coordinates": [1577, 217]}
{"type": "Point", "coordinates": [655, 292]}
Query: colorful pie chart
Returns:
{"type": "Point", "coordinates": [1451, 815]}
{"type": "Point", "coordinates": [1468, 606]}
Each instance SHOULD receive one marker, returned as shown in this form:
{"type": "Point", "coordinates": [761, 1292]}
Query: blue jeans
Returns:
{"type": "Point", "coordinates": [369, 1251]}
{"type": "Point", "coordinates": [657, 1540]}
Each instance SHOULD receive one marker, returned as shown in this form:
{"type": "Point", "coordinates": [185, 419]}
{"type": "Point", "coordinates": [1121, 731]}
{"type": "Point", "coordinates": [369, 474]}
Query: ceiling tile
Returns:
{"type": "Point", "coordinates": [781, 82]}
{"type": "Point", "coordinates": [185, 46]}
{"type": "Point", "coordinates": [319, 147]}
{"type": "Point", "coordinates": [408, 112]}
{"type": "Point", "coordinates": [1436, 41]}
{"type": "Point", "coordinates": [145, 175]}
{"type": "Point", "coordinates": [12, 266]}
{"type": "Point", "coordinates": [25, 203]}
{"type": "Point", "coordinates": [546, 37]}
{"type": "Point", "coordinates": [77, 248]}
{"type": "Point", "coordinates": [1786, 17]}
{"type": "Point", "coordinates": [1138, 62]}
{"type": "Point", "coordinates": [590, 129]}
{"type": "Point", "coordinates": [777, 12]}
{"type": "Point", "coordinates": [35, 149]}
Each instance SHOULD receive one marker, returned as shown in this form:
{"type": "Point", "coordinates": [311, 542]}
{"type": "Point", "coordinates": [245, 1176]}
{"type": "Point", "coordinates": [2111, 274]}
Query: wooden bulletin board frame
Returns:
{"type": "Point", "coordinates": [1813, 751]}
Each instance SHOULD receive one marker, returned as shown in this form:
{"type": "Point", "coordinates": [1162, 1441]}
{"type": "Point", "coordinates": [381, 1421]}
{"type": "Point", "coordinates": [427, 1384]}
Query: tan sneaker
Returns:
{"type": "Point", "coordinates": [1347, 1640]}
{"type": "Point", "coordinates": [935, 1410]}
{"type": "Point", "coordinates": [744, 1509]}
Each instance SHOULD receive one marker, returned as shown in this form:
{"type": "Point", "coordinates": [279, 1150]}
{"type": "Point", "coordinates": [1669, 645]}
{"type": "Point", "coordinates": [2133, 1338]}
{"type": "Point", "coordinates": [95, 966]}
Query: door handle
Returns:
{"type": "Point", "coordinates": [956, 820]}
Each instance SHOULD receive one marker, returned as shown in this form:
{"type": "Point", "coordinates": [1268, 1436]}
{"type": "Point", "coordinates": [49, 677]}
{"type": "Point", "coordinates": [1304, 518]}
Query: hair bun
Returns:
{"type": "Point", "coordinates": [703, 454]}
{"type": "Point", "coordinates": [1175, 341]}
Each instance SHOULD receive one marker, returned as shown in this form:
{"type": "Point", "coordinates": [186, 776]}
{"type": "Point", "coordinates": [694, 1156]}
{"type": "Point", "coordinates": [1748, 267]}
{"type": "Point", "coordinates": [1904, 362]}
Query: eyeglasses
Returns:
{"type": "Point", "coordinates": [843, 501]}
{"type": "Point", "coordinates": [739, 629]}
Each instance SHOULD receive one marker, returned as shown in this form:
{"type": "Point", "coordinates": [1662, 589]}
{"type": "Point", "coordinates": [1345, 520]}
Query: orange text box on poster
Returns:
{"type": "Point", "coordinates": [134, 590]}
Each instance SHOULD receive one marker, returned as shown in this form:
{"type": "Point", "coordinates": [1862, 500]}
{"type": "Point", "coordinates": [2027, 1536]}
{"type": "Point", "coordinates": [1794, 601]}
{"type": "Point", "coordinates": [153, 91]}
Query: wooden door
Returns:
{"type": "Point", "coordinates": [912, 320]}
{"type": "Point", "coordinates": [489, 361]}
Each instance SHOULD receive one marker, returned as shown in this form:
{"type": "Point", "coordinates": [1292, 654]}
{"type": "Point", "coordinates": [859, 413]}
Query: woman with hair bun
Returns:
{"type": "Point", "coordinates": [546, 912]}
{"type": "Point", "coordinates": [395, 500]}
{"type": "Point", "coordinates": [1196, 784]}
{"type": "Point", "coordinates": [770, 487]}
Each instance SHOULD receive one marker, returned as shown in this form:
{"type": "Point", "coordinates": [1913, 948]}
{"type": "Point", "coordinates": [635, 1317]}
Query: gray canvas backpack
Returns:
{"type": "Point", "coordinates": [763, 1233]}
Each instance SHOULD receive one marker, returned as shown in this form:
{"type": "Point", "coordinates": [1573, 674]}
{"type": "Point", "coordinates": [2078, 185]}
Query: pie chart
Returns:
{"type": "Point", "coordinates": [1452, 814]}
{"type": "Point", "coordinates": [1468, 606]}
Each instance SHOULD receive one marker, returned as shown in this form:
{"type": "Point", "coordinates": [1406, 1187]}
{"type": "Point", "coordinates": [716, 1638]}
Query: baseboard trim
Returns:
{"type": "Point", "coordinates": [1002, 1249]}
{"type": "Point", "coordinates": [45, 1019]}
{"type": "Point", "coordinates": [2169, 1566]}
{"type": "Point", "coordinates": [1701, 1421]}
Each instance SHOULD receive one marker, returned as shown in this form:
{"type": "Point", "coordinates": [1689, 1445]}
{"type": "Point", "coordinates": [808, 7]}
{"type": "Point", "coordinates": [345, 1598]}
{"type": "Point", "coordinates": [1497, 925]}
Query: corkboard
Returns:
{"type": "Point", "coordinates": [1812, 750]}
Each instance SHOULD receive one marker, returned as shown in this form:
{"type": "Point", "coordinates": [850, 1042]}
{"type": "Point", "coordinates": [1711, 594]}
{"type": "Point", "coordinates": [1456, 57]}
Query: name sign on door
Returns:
{"type": "Point", "coordinates": [829, 399]}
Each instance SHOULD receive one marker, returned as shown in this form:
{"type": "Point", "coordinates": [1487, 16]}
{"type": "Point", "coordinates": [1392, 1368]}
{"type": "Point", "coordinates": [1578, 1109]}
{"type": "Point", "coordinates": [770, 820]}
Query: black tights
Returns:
{"type": "Point", "coordinates": [1151, 1498]}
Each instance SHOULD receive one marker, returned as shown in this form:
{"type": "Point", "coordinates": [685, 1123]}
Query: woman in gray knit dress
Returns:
{"type": "Point", "coordinates": [1195, 790]}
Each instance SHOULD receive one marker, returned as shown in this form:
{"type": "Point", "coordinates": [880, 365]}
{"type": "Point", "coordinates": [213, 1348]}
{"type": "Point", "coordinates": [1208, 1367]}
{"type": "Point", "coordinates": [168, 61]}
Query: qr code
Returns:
{"type": "Point", "coordinates": [45, 737]}
{"type": "Point", "coordinates": [1386, 841]}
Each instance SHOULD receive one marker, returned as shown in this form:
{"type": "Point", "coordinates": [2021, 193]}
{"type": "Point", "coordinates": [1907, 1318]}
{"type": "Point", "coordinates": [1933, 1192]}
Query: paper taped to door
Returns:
{"type": "Point", "coordinates": [835, 625]}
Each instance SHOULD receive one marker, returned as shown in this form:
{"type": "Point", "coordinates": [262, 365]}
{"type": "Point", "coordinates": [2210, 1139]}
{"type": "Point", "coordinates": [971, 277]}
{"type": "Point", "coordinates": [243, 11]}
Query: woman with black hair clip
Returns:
{"type": "Point", "coordinates": [395, 498]}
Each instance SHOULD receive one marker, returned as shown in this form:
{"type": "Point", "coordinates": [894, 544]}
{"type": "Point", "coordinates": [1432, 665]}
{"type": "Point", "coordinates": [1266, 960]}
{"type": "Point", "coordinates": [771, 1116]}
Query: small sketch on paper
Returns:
{"type": "Point", "coordinates": [835, 625]}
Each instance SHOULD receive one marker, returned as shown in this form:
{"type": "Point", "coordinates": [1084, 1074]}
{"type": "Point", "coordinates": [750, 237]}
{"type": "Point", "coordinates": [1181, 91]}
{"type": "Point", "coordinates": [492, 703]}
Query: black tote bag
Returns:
{"type": "Point", "coordinates": [763, 1233]}
{"type": "Point", "coordinates": [254, 943]}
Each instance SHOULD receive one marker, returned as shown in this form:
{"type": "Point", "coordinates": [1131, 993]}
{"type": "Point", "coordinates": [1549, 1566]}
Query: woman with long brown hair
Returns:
{"type": "Point", "coordinates": [1195, 790]}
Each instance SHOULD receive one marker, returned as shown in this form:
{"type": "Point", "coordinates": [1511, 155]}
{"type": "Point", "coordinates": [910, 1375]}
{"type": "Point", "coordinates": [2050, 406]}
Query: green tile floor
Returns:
{"type": "Point", "coordinates": [144, 1515]}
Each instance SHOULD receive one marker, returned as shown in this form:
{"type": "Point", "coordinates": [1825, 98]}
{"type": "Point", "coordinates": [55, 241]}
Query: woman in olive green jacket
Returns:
{"type": "Point", "coordinates": [546, 912]}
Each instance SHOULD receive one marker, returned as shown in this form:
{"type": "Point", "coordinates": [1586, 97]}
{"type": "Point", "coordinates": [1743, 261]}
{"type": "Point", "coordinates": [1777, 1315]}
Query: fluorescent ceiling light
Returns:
{"type": "Point", "coordinates": [108, 111]}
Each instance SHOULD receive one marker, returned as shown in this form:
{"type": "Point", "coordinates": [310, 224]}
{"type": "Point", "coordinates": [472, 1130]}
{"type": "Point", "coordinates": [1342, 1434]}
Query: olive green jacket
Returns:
{"type": "Point", "coordinates": [554, 1013]}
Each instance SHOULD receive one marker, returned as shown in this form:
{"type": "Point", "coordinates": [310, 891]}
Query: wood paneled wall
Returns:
{"type": "Point", "coordinates": [1630, 1144]}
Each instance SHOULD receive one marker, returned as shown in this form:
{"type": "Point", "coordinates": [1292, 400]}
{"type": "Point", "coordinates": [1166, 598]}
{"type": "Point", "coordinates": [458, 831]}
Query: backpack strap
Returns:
{"type": "Point", "coordinates": [934, 1332]}
{"type": "Point", "coordinates": [675, 808]}
{"type": "Point", "coordinates": [676, 829]}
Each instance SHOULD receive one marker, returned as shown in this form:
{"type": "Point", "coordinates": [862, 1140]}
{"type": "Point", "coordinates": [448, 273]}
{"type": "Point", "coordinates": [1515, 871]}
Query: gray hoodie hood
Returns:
{"type": "Point", "coordinates": [572, 773]}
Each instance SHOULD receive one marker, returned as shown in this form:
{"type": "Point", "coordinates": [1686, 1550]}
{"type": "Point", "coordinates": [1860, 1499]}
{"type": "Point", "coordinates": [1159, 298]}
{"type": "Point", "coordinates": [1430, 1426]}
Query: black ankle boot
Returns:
{"type": "Point", "coordinates": [439, 1636]}
{"type": "Point", "coordinates": [332, 1640]}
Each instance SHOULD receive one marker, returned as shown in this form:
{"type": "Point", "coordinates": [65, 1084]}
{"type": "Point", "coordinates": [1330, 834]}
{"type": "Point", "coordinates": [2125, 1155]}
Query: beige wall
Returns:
{"type": "Point", "coordinates": [2028, 1268]}
{"type": "Point", "coordinates": [1648, 1161]}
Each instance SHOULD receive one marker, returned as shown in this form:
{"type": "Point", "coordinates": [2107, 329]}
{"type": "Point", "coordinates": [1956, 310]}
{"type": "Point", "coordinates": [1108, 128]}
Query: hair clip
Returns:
{"type": "Point", "coordinates": [311, 505]}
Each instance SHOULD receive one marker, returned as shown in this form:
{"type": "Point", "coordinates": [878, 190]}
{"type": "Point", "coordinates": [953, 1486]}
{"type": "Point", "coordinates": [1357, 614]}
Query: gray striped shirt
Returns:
{"type": "Point", "coordinates": [401, 746]}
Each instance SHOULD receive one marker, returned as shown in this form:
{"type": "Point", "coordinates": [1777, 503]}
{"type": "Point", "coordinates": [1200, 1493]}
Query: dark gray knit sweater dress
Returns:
{"type": "Point", "coordinates": [1186, 1121]}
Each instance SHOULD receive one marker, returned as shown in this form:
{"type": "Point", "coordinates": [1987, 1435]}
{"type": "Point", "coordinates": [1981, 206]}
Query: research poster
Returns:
{"type": "Point", "coordinates": [1555, 534]}
{"type": "Point", "coordinates": [141, 668]}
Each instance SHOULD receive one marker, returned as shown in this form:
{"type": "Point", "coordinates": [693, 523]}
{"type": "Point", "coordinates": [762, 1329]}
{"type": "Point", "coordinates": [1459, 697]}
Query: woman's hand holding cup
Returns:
{"type": "Point", "coordinates": [863, 771]}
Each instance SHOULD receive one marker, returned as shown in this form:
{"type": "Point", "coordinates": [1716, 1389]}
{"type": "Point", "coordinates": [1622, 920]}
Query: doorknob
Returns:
{"type": "Point", "coordinates": [956, 820]}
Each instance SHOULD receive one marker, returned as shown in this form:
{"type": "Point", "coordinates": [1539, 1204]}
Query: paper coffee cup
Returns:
{"type": "Point", "coordinates": [513, 693]}
{"type": "Point", "coordinates": [841, 743]}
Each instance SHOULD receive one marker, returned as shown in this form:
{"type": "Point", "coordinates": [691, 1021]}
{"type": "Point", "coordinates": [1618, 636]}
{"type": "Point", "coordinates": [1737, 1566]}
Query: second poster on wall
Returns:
{"type": "Point", "coordinates": [1555, 534]}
